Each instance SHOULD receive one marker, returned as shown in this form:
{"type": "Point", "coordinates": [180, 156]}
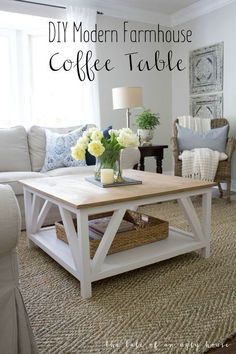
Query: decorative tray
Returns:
{"type": "Point", "coordinates": [127, 182]}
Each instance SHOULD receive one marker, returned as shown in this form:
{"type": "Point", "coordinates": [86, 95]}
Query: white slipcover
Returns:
{"type": "Point", "coordinates": [13, 178]}
{"type": "Point", "coordinates": [15, 332]}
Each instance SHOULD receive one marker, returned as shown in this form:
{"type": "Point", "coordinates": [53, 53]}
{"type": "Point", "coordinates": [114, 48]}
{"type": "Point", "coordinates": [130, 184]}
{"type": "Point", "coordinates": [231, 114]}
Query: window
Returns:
{"type": "Point", "coordinates": [31, 93]}
{"type": "Point", "coordinates": [54, 94]}
{"type": "Point", "coordinates": [47, 101]}
{"type": "Point", "coordinates": [8, 80]}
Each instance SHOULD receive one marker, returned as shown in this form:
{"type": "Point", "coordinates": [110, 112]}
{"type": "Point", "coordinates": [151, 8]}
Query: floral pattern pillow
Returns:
{"type": "Point", "coordinates": [58, 149]}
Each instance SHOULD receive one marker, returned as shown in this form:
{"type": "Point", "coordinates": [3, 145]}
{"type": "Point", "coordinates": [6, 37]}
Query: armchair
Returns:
{"type": "Point", "coordinates": [223, 173]}
{"type": "Point", "coordinates": [15, 332]}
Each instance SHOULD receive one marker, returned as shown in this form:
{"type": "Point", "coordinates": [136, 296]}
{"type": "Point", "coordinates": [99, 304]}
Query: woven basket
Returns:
{"type": "Point", "coordinates": [147, 230]}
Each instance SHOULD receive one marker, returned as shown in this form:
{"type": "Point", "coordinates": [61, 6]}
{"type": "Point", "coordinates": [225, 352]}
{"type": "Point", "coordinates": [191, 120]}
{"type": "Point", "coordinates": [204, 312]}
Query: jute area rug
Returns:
{"type": "Point", "coordinates": [182, 305]}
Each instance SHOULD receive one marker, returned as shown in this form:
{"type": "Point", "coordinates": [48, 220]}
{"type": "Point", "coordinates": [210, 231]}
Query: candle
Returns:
{"type": "Point", "coordinates": [107, 175]}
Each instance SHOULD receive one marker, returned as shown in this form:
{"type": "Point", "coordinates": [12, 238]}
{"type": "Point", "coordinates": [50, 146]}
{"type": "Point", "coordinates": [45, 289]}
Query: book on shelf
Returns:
{"type": "Point", "coordinates": [97, 227]}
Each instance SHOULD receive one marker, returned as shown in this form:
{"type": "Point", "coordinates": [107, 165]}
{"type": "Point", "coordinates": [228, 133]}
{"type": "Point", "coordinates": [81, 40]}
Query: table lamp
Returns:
{"type": "Point", "coordinates": [126, 98]}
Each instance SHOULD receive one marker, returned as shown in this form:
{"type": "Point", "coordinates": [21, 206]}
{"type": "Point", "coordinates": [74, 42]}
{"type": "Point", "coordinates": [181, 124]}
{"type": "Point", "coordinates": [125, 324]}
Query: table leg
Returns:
{"type": "Point", "coordinates": [158, 164]}
{"type": "Point", "coordinates": [84, 254]}
{"type": "Point", "coordinates": [79, 245]}
{"type": "Point", "coordinates": [28, 213]}
{"type": "Point", "coordinates": [206, 222]}
{"type": "Point", "coordinates": [142, 166]}
{"type": "Point", "coordinates": [200, 228]}
{"type": "Point", "coordinates": [36, 206]}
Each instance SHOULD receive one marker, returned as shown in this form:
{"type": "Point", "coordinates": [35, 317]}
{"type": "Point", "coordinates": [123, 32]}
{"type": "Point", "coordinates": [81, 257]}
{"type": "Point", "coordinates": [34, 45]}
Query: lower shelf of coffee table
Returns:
{"type": "Point", "coordinates": [178, 242]}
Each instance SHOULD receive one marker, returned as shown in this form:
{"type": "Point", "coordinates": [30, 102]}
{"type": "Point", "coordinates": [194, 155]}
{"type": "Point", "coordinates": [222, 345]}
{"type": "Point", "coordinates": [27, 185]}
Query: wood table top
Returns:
{"type": "Point", "coordinates": [75, 191]}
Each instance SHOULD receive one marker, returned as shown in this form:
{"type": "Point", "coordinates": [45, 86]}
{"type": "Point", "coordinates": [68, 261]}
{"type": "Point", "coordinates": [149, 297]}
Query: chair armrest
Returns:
{"type": "Point", "coordinates": [230, 147]}
{"type": "Point", "coordinates": [129, 158]}
{"type": "Point", "coordinates": [10, 219]}
{"type": "Point", "coordinates": [175, 148]}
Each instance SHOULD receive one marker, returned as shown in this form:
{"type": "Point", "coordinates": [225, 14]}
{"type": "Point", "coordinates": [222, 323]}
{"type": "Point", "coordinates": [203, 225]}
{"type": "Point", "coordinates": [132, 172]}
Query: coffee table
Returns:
{"type": "Point", "coordinates": [76, 197]}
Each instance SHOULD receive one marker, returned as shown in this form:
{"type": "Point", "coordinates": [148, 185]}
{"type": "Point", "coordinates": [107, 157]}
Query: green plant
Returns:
{"type": "Point", "coordinates": [147, 120]}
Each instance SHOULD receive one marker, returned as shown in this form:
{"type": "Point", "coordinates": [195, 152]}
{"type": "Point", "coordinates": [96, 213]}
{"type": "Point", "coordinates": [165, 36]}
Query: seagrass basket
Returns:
{"type": "Point", "coordinates": [147, 229]}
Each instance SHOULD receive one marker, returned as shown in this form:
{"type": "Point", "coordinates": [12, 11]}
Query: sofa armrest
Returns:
{"type": "Point", "coordinates": [129, 158]}
{"type": "Point", "coordinates": [10, 219]}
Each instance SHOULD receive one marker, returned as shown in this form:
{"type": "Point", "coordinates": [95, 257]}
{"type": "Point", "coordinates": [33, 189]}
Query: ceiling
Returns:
{"type": "Point", "coordinates": [168, 13]}
{"type": "Point", "coordinates": [167, 7]}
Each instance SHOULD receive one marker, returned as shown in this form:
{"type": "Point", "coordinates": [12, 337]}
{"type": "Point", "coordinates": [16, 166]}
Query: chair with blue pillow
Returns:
{"type": "Point", "coordinates": [223, 174]}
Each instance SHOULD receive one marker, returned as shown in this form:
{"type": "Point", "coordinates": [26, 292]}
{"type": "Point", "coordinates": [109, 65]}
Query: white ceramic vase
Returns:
{"type": "Point", "coordinates": [145, 136]}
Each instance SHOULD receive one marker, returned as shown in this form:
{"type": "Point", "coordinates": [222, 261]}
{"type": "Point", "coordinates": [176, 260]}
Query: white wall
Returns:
{"type": "Point", "coordinates": [212, 28]}
{"type": "Point", "coordinates": [156, 85]}
{"type": "Point", "coordinates": [164, 92]}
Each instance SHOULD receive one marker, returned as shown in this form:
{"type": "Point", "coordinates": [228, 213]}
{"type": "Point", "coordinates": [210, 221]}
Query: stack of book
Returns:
{"type": "Point", "coordinates": [97, 227]}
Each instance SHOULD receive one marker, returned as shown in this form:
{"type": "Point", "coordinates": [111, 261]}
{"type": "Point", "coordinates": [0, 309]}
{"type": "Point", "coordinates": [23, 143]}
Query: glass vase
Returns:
{"type": "Point", "coordinates": [110, 161]}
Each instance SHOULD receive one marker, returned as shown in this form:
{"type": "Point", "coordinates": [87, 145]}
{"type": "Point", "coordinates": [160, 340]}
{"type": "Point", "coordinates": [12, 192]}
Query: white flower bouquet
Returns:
{"type": "Point", "coordinates": [107, 148]}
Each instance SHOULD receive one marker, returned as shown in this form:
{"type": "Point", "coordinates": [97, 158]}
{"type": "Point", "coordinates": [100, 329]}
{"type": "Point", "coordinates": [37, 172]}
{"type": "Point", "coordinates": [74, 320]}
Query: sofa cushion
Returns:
{"type": "Point", "coordinates": [58, 149]}
{"type": "Point", "coordinates": [14, 152]}
{"type": "Point", "coordinates": [12, 178]}
{"type": "Point", "coordinates": [70, 171]}
{"type": "Point", "coordinates": [214, 139]}
{"type": "Point", "coordinates": [37, 143]}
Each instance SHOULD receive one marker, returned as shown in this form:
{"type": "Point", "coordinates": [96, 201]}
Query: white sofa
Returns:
{"type": "Point", "coordinates": [22, 155]}
{"type": "Point", "coordinates": [15, 332]}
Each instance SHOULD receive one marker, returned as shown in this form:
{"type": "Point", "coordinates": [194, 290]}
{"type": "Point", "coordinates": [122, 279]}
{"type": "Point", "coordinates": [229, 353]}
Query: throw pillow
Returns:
{"type": "Point", "coordinates": [106, 132]}
{"type": "Point", "coordinates": [37, 143]}
{"type": "Point", "coordinates": [214, 139]}
{"type": "Point", "coordinates": [14, 152]}
{"type": "Point", "coordinates": [58, 149]}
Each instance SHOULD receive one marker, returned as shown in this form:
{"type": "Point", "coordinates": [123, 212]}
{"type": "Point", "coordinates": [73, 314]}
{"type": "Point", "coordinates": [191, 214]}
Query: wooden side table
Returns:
{"type": "Point", "coordinates": [157, 151]}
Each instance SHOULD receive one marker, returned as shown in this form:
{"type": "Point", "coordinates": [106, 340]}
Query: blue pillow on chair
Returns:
{"type": "Point", "coordinates": [214, 139]}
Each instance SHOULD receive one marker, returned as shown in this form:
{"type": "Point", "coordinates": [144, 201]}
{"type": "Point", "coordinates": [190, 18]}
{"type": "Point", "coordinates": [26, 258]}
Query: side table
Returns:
{"type": "Point", "coordinates": [157, 151]}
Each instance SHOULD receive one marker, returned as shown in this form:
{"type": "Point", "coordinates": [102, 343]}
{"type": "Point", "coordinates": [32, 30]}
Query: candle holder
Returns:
{"type": "Point", "coordinates": [107, 176]}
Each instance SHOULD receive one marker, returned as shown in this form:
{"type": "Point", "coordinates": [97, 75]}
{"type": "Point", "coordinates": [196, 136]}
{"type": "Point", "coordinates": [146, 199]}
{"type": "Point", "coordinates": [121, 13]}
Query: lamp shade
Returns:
{"type": "Point", "coordinates": [127, 97]}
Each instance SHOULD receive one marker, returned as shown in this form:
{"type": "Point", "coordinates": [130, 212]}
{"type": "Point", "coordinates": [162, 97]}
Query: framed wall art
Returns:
{"type": "Point", "coordinates": [207, 106]}
{"type": "Point", "coordinates": [206, 69]}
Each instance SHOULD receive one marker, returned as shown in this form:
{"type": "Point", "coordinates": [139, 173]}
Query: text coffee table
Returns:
{"type": "Point", "coordinates": [76, 197]}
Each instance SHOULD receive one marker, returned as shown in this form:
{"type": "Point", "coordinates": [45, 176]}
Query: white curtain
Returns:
{"type": "Point", "coordinates": [88, 94]}
{"type": "Point", "coordinates": [31, 93]}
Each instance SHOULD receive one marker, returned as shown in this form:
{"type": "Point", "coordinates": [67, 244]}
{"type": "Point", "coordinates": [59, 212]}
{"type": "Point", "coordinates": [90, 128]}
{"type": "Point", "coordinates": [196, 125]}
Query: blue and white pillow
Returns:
{"type": "Point", "coordinates": [58, 149]}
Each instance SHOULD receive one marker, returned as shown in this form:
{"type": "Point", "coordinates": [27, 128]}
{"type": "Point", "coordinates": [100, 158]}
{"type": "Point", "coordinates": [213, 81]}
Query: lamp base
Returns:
{"type": "Point", "coordinates": [128, 114]}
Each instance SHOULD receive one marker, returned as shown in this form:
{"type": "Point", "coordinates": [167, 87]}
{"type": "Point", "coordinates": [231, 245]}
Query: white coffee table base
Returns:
{"type": "Point", "coordinates": [75, 257]}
